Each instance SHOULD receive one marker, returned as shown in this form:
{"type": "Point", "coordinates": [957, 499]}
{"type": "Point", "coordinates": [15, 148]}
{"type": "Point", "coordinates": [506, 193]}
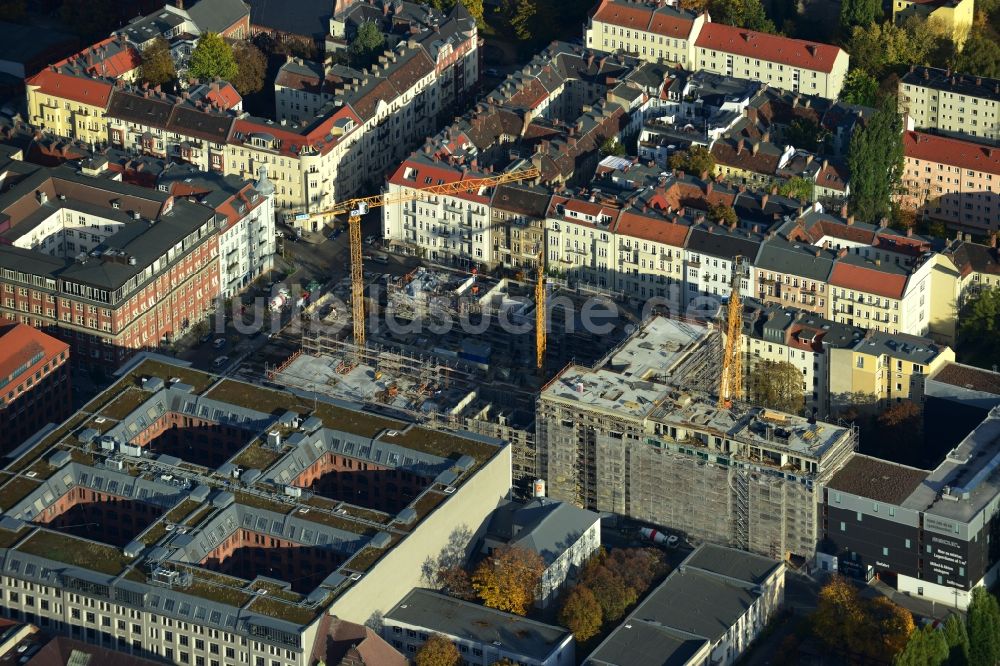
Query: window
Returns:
{"type": "Point", "coordinates": [885, 551]}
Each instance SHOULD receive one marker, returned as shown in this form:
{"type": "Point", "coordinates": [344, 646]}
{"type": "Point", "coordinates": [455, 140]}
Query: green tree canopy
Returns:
{"type": "Point", "coordinates": [611, 592]}
{"type": "Point", "coordinates": [875, 159]}
{"type": "Point", "coordinates": [806, 134]}
{"type": "Point", "coordinates": [958, 641]}
{"type": "Point", "coordinates": [157, 66]}
{"type": "Point", "coordinates": [776, 385]}
{"type": "Point", "coordinates": [980, 56]}
{"type": "Point", "coordinates": [581, 613]}
{"type": "Point", "coordinates": [877, 47]}
{"type": "Point", "coordinates": [983, 622]}
{"type": "Point", "coordinates": [524, 13]}
{"type": "Point", "coordinates": [742, 13]}
{"type": "Point", "coordinates": [612, 146]}
{"type": "Point", "coordinates": [860, 13]}
{"type": "Point", "coordinates": [860, 87]}
{"type": "Point", "coordinates": [695, 160]}
{"type": "Point", "coordinates": [723, 214]}
{"type": "Point", "coordinates": [367, 44]}
{"type": "Point", "coordinates": [252, 68]}
{"type": "Point", "coordinates": [799, 188]}
{"type": "Point", "coordinates": [926, 647]}
{"type": "Point", "coordinates": [212, 59]}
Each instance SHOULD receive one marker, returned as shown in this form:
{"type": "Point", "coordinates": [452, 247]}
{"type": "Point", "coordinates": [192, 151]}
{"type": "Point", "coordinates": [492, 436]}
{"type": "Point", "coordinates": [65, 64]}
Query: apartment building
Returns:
{"type": "Point", "coordinates": [952, 18]}
{"type": "Point", "coordinates": [247, 236]}
{"type": "Point", "coordinates": [660, 32]}
{"type": "Point", "coordinates": [179, 565]}
{"type": "Point", "coordinates": [884, 367]}
{"type": "Point", "coordinates": [660, 451]}
{"type": "Point", "coordinates": [927, 529]}
{"type": "Point", "coordinates": [708, 610]}
{"type": "Point", "coordinates": [482, 635]}
{"type": "Point", "coordinates": [108, 267]}
{"type": "Point", "coordinates": [553, 115]}
{"type": "Point", "coordinates": [648, 30]}
{"type": "Point", "coordinates": [954, 181]}
{"type": "Point", "coordinates": [69, 98]}
{"type": "Point", "coordinates": [175, 22]}
{"type": "Point", "coordinates": [192, 127]}
{"type": "Point", "coordinates": [812, 68]}
{"type": "Point", "coordinates": [35, 387]}
{"type": "Point", "coordinates": [952, 103]}
{"type": "Point", "coordinates": [977, 267]}
{"type": "Point", "coordinates": [793, 275]}
{"type": "Point", "coordinates": [302, 89]}
{"type": "Point", "coordinates": [518, 223]}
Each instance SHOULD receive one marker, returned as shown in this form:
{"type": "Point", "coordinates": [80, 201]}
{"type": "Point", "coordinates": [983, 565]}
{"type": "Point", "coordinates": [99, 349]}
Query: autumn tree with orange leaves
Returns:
{"type": "Point", "coordinates": [508, 579]}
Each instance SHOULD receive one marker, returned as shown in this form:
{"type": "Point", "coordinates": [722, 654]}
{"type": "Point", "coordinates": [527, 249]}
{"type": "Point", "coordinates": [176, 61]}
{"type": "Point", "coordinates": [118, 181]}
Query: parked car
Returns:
{"type": "Point", "coordinates": [221, 361]}
{"type": "Point", "coordinates": [219, 343]}
{"type": "Point", "coordinates": [492, 71]}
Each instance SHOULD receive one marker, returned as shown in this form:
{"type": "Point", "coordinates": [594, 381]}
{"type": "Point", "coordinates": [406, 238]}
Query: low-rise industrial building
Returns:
{"type": "Point", "coordinates": [708, 611]}
{"type": "Point", "coordinates": [482, 635]}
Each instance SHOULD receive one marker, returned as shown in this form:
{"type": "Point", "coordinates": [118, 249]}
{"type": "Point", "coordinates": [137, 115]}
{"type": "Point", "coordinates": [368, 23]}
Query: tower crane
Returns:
{"type": "Point", "coordinates": [540, 340]}
{"type": "Point", "coordinates": [355, 208]}
{"type": "Point", "coordinates": [731, 381]}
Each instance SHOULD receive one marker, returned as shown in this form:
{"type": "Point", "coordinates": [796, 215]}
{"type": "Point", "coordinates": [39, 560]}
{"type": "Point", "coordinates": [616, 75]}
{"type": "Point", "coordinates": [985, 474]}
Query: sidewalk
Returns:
{"type": "Point", "coordinates": [916, 605]}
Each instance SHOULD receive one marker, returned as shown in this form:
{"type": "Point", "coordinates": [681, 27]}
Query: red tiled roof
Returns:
{"type": "Point", "coordinates": [652, 228]}
{"type": "Point", "coordinates": [955, 152]}
{"type": "Point", "coordinates": [867, 280]}
{"type": "Point", "coordinates": [74, 88]}
{"type": "Point", "coordinates": [671, 26]}
{"type": "Point", "coordinates": [19, 343]}
{"type": "Point", "coordinates": [627, 16]}
{"type": "Point", "coordinates": [436, 172]}
{"type": "Point", "coordinates": [762, 46]}
{"type": "Point", "coordinates": [226, 96]}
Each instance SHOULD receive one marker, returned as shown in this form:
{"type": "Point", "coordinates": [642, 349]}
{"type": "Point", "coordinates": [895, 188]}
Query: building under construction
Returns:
{"type": "Point", "coordinates": [640, 434]}
{"type": "Point", "coordinates": [478, 376]}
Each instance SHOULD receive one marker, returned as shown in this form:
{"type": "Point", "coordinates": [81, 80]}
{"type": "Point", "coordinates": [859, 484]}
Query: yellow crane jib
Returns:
{"type": "Point", "coordinates": [357, 207]}
{"type": "Point", "coordinates": [731, 379]}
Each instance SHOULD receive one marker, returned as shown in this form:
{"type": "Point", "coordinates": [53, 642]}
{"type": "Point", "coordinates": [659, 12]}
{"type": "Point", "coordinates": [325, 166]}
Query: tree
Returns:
{"type": "Point", "coordinates": [860, 13]}
{"type": "Point", "coordinates": [897, 427]}
{"type": "Point", "coordinates": [212, 59]}
{"type": "Point", "coordinates": [806, 133]}
{"type": "Point", "coordinates": [839, 616]}
{"type": "Point", "coordinates": [875, 160]}
{"type": "Point", "coordinates": [437, 651]}
{"type": "Point", "coordinates": [252, 68]}
{"type": "Point", "coordinates": [980, 56]}
{"type": "Point", "coordinates": [983, 622]}
{"type": "Point", "coordinates": [581, 613]}
{"type": "Point", "coordinates": [880, 46]}
{"type": "Point", "coordinates": [157, 66]}
{"type": "Point", "coordinates": [723, 214]}
{"type": "Point", "coordinates": [638, 567]}
{"type": "Point", "coordinates": [475, 8]}
{"type": "Point", "coordinates": [695, 160]}
{"type": "Point", "coordinates": [981, 315]}
{"type": "Point", "coordinates": [367, 44]}
{"type": "Point", "coordinates": [611, 592]}
{"type": "Point", "coordinates": [957, 638]}
{"type": "Point", "coordinates": [524, 12]}
{"type": "Point", "coordinates": [890, 625]}
{"type": "Point", "coordinates": [926, 647]}
{"type": "Point", "coordinates": [508, 579]}
{"type": "Point", "coordinates": [612, 146]}
{"type": "Point", "coordinates": [799, 188]}
{"type": "Point", "coordinates": [860, 87]}
{"type": "Point", "coordinates": [698, 6]}
{"type": "Point", "coordinates": [742, 13]}
{"type": "Point", "coordinates": [776, 385]}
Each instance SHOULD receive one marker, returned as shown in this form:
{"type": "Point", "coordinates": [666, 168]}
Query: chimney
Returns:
{"type": "Point", "coordinates": [739, 146]}
{"type": "Point", "coordinates": [842, 253]}
{"type": "Point", "coordinates": [843, 209]}
{"type": "Point", "coordinates": [850, 220]}
{"type": "Point", "coordinates": [909, 232]}
{"type": "Point", "coordinates": [180, 4]}
{"type": "Point", "coordinates": [708, 188]}
{"type": "Point", "coordinates": [817, 253]}
{"type": "Point", "coordinates": [826, 163]}
{"type": "Point", "coordinates": [878, 262]}
{"type": "Point", "coordinates": [763, 200]}
{"type": "Point", "coordinates": [883, 223]}
{"type": "Point", "coordinates": [993, 240]}
{"type": "Point", "coordinates": [756, 148]}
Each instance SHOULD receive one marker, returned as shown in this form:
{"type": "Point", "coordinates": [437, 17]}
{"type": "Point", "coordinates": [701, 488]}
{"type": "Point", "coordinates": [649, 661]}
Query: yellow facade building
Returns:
{"type": "Point", "coordinates": [948, 17]}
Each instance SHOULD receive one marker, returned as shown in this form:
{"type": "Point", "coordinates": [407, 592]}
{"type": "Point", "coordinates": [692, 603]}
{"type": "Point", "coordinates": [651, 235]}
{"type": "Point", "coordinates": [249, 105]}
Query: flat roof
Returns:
{"type": "Point", "coordinates": [446, 615]}
{"type": "Point", "coordinates": [880, 480]}
{"type": "Point", "coordinates": [641, 643]}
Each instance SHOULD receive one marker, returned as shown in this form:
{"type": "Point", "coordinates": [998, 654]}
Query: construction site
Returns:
{"type": "Point", "coordinates": [451, 350]}
{"type": "Point", "coordinates": [642, 434]}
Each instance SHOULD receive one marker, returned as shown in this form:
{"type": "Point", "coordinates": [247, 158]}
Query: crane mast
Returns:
{"type": "Point", "coordinates": [540, 332]}
{"type": "Point", "coordinates": [357, 207]}
{"type": "Point", "coordinates": [731, 381]}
